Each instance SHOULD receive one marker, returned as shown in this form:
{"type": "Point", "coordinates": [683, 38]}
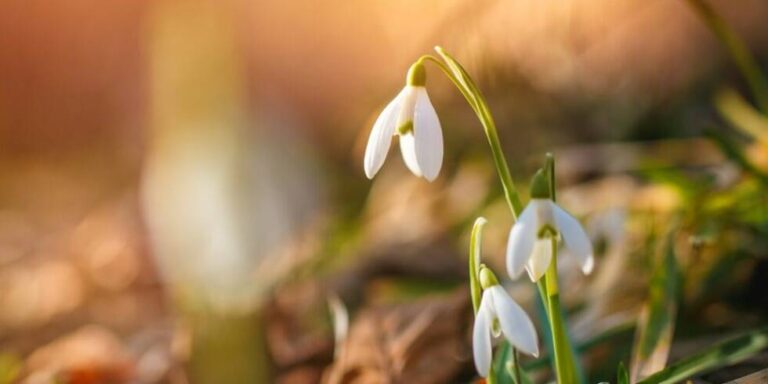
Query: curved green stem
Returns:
{"type": "Point", "coordinates": [459, 85]}
{"type": "Point", "coordinates": [458, 76]}
{"type": "Point", "coordinates": [471, 93]}
{"type": "Point", "coordinates": [548, 287]}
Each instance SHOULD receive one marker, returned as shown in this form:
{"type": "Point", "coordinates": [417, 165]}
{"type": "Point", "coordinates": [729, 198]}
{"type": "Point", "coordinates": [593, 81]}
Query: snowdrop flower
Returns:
{"type": "Point", "coordinates": [542, 221]}
{"type": "Point", "coordinates": [499, 315]}
{"type": "Point", "coordinates": [411, 116]}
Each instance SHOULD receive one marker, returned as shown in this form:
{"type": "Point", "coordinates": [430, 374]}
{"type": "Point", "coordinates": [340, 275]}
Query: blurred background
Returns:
{"type": "Point", "coordinates": [182, 197]}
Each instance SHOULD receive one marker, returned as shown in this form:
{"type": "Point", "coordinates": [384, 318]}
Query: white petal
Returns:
{"type": "Point", "coordinates": [381, 137]}
{"type": "Point", "coordinates": [515, 323]}
{"type": "Point", "coordinates": [429, 136]}
{"type": "Point", "coordinates": [540, 259]}
{"type": "Point", "coordinates": [521, 240]}
{"type": "Point", "coordinates": [408, 150]}
{"type": "Point", "coordinates": [575, 239]}
{"type": "Point", "coordinates": [481, 337]}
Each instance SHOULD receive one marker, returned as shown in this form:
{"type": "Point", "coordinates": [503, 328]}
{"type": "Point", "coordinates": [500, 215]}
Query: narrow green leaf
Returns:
{"type": "Point", "coordinates": [620, 331]}
{"type": "Point", "coordinates": [736, 47]}
{"type": "Point", "coordinates": [734, 152]}
{"type": "Point", "coordinates": [475, 241]}
{"type": "Point", "coordinates": [741, 115]}
{"type": "Point", "coordinates": [499, 364]}
{"type": "Point", "coordinates": [722, 354]}
{"type": "Point", "coordinates": [622, 376]}
{"type": "Point", "coordinates": [503, 365]}
{"type": "Point", "coordinates": [10, 368]}
{"type": "Point", "coordinates": [657, 320]}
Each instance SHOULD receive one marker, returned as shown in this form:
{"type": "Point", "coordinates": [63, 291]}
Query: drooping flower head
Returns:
{"type": "Point", "coordinates": [540, 227]}
{"type": "Point", "coordinates": [411, 116]}
{"type": "Point", "coordinates": [499, 315]}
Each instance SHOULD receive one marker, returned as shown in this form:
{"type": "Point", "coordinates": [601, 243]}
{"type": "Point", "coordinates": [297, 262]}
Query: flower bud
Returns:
{"type": "Point", "coordinates": [487, 277]}
{"type": "Point", "coordinates": [417, 75]}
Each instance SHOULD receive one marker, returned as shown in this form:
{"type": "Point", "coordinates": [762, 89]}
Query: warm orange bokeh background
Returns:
{"type": "Point", "coordinates": [76, 119]}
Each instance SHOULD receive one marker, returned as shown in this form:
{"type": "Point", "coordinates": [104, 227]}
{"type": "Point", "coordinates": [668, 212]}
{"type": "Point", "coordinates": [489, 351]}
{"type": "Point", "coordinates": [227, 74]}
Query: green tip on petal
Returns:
{"type": "Point", "coordinates": [487, 277]}
{"type": "Point", "coordinates": [417, 75]}
{"type": "Point", "coordinates": [540, 185]}
{"type": "Point", "coordinates": [405, 128]}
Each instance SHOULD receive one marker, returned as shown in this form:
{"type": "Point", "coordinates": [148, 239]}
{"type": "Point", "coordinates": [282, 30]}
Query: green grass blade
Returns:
{"type": "Point", "coordinates": [499, 363]}
{"type": "Point", "coordinates": [734, 153]}
{"type": "Point", "coordinates": [503, 364]}
{"type": "Point", "coordinates": [737, 49]}
{"type": "Point", "coordinates": [622, 376]}
{"type": "Point", "coordinates": [609, 335]}
{"type": "Point", "coordinates": [10, 368]}
{"type": "Point", "coordinates": [741, 115]}
{"type": "Point", "coordinates": [722, 354]}
{"type": "Point", "coordinates": [656, 325]}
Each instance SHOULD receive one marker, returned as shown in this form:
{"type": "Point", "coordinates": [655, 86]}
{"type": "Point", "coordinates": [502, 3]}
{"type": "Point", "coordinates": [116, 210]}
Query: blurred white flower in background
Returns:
{"type": "Point", "coordinates": [223, 192]}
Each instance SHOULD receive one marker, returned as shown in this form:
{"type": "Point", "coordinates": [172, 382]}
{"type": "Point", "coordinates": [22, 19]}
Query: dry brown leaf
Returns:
{"type": "Point", "coordinates": [91, 354]}
{"type": "Point", "coordinates": [418, 342]}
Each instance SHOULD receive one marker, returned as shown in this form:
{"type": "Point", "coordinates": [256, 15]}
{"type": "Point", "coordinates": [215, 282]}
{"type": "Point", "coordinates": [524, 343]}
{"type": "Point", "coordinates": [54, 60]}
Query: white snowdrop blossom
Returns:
{"type": "Point", "coordinates": [412, 117]}
{"type": "Point", "coordinates": [500, 315]}
{"type": "Point", "coordinates": [531, 239]}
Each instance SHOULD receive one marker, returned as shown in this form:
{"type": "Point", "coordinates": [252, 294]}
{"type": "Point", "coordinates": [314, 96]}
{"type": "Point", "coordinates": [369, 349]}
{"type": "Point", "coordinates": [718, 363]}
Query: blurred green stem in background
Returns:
{"type": "Point", "coordinates": [736, 47]}
{"type": "Point", "coordinates": [10, 368]}
{"type": "Point", "coordinates": [742, 115]}
{"type": "Point", "coordinates": [228, 348]}
{"type": "Point", "coordinates": [735, 153]}
{"type": "Point", "coordinates": [656, 323]}
{"type": "Point", "coordinates": [201, 188]}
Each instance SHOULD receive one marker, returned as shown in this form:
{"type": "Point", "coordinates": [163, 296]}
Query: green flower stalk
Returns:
{"type": "Point", "coordinates": [533, 245]}
{"type": "Point", "coordinates": [533, 240]}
